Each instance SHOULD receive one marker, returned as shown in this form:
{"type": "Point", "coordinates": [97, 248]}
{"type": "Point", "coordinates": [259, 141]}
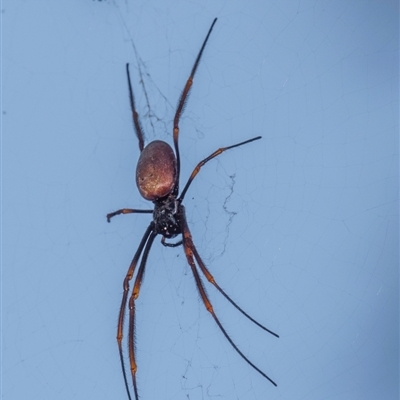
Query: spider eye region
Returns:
{"type": "Point", "coordinates": [156, 170]}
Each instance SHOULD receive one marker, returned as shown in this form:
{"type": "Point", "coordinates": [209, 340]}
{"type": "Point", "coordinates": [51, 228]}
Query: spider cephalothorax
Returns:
{"type": "Point", "coordinates": [167, 217]}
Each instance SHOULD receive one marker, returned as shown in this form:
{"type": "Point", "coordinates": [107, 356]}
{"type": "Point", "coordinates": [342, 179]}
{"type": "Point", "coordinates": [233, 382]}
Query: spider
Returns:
{"type": "Point", "coordinates": [157, 178]}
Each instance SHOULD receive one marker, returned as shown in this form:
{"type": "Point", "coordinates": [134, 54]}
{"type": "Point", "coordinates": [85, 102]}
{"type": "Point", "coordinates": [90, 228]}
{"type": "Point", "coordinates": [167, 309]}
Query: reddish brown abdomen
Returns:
{"type": "Point", "coordinates": [156, 170]}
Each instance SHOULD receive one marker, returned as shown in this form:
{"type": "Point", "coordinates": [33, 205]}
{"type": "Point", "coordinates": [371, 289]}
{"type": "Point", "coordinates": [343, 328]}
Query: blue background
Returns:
{"type": "Point", "coordinates": [301, 228]}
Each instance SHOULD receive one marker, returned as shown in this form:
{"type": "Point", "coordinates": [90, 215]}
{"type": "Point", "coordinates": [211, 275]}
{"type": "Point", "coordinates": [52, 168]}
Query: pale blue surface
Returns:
{"type": "Point", "coordinates": [300, 228]}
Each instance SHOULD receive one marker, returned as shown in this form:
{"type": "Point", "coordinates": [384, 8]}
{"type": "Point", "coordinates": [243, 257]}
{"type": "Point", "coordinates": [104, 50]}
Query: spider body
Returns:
{"type": "Point", "coordinates": [156, 171]}
{"type": "Point", "coordinates": [157, 178]}
{"type": "Point", "coordinates": [167, 217]}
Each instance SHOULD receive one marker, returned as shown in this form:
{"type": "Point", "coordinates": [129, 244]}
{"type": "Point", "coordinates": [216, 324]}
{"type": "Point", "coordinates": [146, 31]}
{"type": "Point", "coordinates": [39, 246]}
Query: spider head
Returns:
{"type": "Point", "coordinates": [166, 217]}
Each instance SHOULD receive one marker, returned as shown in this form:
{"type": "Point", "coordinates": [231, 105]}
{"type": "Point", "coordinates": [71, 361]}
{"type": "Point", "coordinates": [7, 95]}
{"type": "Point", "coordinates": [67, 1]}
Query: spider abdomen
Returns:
{"type": "Point", "coordinates": [156, 170]}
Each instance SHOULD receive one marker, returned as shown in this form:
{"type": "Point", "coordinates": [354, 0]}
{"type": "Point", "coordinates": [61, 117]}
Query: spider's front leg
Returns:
{"type": "Point", "coordinates": [192, 255]}
{"type": "Point", "coordinates": [151, 234]}
{"type": "Point", "coordinates": [121, 318]}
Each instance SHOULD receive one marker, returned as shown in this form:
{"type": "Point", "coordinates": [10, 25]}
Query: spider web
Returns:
{"type": "Point", "coordinates": [300, 228]}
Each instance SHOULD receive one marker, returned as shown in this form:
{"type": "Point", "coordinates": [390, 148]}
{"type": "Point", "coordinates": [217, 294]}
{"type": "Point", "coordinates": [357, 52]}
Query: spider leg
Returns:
{"type": "Point", "coordinates": [127, 211]}
{"type": "Point", "coordinates": [211, 279]}
{"type": "Point", "coordinates": [121, 316]}
{"type": "Point", "coordinates": [181, 105]}
{"type": "Point", "coordinates": [135, 116]}
{"type": "Point", "coordinates": [134, 296]}
{"type": "Point", "coordinates": [189, 252]}
{"type": "Point", "coordinates": [206, 160]}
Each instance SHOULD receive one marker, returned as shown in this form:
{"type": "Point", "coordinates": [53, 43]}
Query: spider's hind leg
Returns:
{"type": "Point", "coordinates": [135, 116]}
